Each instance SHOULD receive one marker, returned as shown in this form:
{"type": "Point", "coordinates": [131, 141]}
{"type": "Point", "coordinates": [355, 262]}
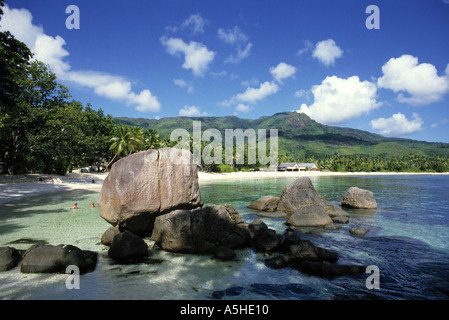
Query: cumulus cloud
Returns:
{"type": "Point", "coordinates": [242, 108]}
{"type": "Point", "coordinates": [282, 71]}
{"type": "Point", "coordinates": [253, 95]}
{"type": "Point", "coordinates": [183, 84]}
{"type": "Point", "coordinates": [196, 55]}
{"type": "Point", "coordinates": [239, 41]}
{"type": "Point", "coordinates": [50, 50]}
{"type": "Point", "coordinates": [420, 81]}
{"type": "Point", "coordinates": [194, 22]}
{"type": "Point", "coordinates": [327, 52]}
{"type": "Point", "coordinates": [191, 111]}
{"type": "Point", "coordinates": [338, 100]}
{"type": "Point", "coordinates": [397, 124]}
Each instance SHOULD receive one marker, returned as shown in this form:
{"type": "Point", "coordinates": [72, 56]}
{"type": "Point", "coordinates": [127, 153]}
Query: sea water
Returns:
{"type": "Point", "coordinates": [408, 240]}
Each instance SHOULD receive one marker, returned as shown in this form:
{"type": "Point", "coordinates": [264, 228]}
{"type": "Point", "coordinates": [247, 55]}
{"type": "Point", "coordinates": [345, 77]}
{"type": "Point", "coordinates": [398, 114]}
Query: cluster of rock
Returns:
{"type": "Point", "coordinates": [155, 194]}
{"type": "Point", "coordinates": [303, 206]}
{"type": "Point", "coordinates": [47, 259]}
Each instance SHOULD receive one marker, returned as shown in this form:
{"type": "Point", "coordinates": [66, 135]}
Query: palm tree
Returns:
{"type": "Point", "coordinates": [121, 141]}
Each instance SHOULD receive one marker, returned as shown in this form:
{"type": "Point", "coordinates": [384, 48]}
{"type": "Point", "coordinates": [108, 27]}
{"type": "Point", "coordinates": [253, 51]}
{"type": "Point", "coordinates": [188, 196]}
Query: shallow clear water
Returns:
{"type": "Point", "coordinates": [408, 240]}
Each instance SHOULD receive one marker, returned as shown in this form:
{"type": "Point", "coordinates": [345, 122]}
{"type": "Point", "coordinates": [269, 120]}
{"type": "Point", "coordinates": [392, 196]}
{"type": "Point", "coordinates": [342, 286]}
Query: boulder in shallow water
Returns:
{"type": "Point", "coordinates": [109, 235]}
{"type": "Point", "coordinates": [264, 239]}
{"type": "Point", "coordinates": [359, 199]}
{"type": "Point", "coordinates": [301, 193]}
{"type": "Point", "coordinates": [310, 216]}
{"type": "Point", "coordinates": [127, 246]}
{"type": "Point", "coordinates": [146, 184]}
{"type": "Point", "coordinates": [265, 203]}
{"type": "Point", "coordinates": [200, 230]}
{"type": "Point", "coordinates": [55, 259]}
{"type": "Point", "coordinates": [9, 258]}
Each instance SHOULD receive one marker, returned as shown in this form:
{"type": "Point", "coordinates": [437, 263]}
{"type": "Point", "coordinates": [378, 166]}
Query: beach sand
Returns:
{"type": "Point", "coordinates": [20, 186]}
{"type": "Point", "coordinates": [17, 187]}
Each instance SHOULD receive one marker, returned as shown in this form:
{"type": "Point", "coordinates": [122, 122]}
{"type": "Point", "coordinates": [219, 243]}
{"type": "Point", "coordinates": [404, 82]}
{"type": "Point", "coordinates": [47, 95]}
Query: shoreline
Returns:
{"type": "Point", "coordinates": [14, 188]}
{"type": "Point", "coordinates": [204, 177]}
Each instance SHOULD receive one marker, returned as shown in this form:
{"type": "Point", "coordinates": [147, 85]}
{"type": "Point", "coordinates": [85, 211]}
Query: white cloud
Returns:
{"type": "Point", "coordinates": [242, 108]}
{"type": "Point", "coordinates": [196, 55]}
{"type": "Point", "coordinates": [282, 71]}
{"type": "Point", "coordinates": [239, 41]}
{"type": "Point", "coordinates": [397, 124]}
{"type": "Point", "coordinates": [194, 22]}
{"type": "Point", "coordinates": [252, 95]}
{"type": "Point", "coordinates": [420, 81]}
{"type": "Point", "coordinates": [232, 36]}
{"type": "Point", "coordinates": [191, 111]}
{"type": "Point", "coordinates": [442, 122]}
{"type": "Point", "coordinates": [183, 84]}
{"type": "Point", "coordinates": [308, 45]}
{"type": "Point", "coordinates": [50, 50]}
{"type": "Point", "coordinates": [327, 51]}
{"type": "Point", "coordinates": [338, 100]}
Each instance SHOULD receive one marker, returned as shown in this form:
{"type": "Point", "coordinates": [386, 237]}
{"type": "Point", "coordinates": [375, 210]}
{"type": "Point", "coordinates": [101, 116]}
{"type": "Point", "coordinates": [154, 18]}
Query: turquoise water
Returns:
{"type": "Point", "coordinates": [408, 240]}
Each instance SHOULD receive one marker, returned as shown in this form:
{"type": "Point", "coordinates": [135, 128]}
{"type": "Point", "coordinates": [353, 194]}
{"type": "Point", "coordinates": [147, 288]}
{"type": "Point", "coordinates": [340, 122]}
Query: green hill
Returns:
{"type": "Point", "coordinates": [301, 137]}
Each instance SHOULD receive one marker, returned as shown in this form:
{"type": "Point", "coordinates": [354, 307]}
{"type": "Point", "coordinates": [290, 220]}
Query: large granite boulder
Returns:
{"type": "Point", "coordinates": [146, 184]}
{"type": "Point", "coordinates": [55, 259]}
{"type": "Point", "coordinates": [359, 199]}
{"type": "Point", "coordinates": [200, 230]}
{"type": "Point", "coordinates": [310, 216]}
{"type": "Point", "coordinates": [301, 193]}
{"type": "Point", "coordinates": [9, 258]}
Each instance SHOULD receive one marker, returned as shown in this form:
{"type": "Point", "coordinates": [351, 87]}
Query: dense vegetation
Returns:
{"type": "Point", "coordinates": [42, 129]}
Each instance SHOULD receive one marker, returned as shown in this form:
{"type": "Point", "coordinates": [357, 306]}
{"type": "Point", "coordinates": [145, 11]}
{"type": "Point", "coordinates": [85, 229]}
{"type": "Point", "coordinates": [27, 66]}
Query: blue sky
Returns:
{"type": "Point", "coordinates": [251, 58]}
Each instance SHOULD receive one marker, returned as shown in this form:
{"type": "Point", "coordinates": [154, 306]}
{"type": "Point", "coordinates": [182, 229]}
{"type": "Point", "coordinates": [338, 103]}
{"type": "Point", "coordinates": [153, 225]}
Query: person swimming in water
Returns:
{"type": "Point", "coordinates": [75, 206]}
{"type": "Point", "coordinates": [92, 205]}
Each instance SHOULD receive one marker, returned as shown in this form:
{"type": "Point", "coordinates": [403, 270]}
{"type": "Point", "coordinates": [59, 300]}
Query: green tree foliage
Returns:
{"type": "Point", "coordinates": [41, 130]}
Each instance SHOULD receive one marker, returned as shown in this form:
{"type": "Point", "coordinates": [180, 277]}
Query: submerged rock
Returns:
{"type": "Point", "coordinates": [328, 270]}
{"type": "Point", "coordinates": [301, 193]}
{"type": "Point", "coordinates": [9, 258]}
{"type": "Point", "coordinates": [55, 259]}
{"type": "Point", "coordinates": [359, 199]}
{"type": "Point", "coordinates": [224, 253]}
{"type": "Point", "coordinates": [359, 231]}
{"type": "Point", "coordinates": [146, 184]}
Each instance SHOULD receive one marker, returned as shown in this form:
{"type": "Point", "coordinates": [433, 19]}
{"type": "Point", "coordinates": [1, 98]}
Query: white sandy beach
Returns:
{"type": "Point", "coordinates": [17, 187]}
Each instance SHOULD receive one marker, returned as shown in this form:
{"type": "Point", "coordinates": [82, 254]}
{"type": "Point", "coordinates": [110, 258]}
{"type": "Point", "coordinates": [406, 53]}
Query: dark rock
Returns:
{"type": "Point", "coordinates": [224, 253]}
{"type": "Point", "coordinates": [146, 184]}
{"type": "Point", "coordinates": [359, 199]}
{"type": "Point", "coordinates": [359, 231]}
{"type": "Point", "coordinates": [301, 193]}
{"type": "Point", "coordinates": [264, 239]}
{"type": "Point", "coordinates": [326, 269]}
{"type": "Point", "coordinates": [309, 216]}
{"type": "Point", "coordinates": [340, 220]}
{"type": "Point", "coordinates": [109, 235]}
{"type": "Point", "coordinates": [127, 246]}
{"type": "Point", "coordinates": [280, 261]}
{"type": "Point", "coordinates": [55, 259]}
{"type": "Point", "coordinates": [9, 258]}
{"type": "Point", "coordinates": [201, 230]}
{"type": "Point", "coordinates": [230, 292]}
{"type": "Point", "coordinates": [306, 250]}
{"type": "Point", "coordinates": [266, 203]}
